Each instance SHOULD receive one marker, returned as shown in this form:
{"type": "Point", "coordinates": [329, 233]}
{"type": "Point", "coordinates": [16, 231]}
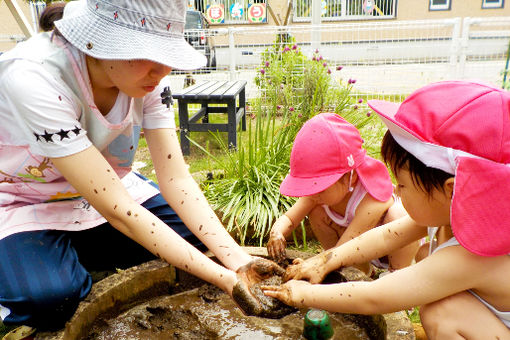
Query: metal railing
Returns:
{"type": "Point", "coordinates": [387, 58]}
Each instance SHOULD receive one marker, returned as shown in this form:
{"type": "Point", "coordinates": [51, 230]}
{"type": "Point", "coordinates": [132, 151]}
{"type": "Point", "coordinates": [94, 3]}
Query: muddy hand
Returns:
{"type": "Point", "coordinates": [258, 270]}
{"type": "Point", "coordinates": [288, 293]}
{"type": "Point", "coordinates": [249, 275]}
{"type": "Point", "coordinates": [276, 246]}
{"type": "Point", "coordinates": [312, 270]}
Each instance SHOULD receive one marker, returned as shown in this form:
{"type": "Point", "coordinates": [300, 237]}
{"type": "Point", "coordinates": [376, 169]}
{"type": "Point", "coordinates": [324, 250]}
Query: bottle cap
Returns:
{"type": "Point", "coordinates": [317, 325]}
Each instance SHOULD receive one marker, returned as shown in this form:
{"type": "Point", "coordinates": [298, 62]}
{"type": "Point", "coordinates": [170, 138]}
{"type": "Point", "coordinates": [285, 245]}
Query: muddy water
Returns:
{"type": "Point", "coordinates": [208, 313]}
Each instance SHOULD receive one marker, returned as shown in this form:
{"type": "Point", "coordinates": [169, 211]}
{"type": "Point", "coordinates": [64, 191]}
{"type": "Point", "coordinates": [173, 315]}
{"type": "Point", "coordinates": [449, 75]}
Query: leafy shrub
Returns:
{"type": "Point", "coordinates": [293, 88]}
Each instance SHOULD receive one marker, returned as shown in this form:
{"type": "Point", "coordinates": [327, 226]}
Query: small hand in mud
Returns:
{"type": "Point", "coordinates": [249, 296]}
{"type": "Point", "coordinates": [289, 293]}
{"type": "Point", "coordinates": [276, 246]}
{"type": "Point", "coordinates": [313, 269]}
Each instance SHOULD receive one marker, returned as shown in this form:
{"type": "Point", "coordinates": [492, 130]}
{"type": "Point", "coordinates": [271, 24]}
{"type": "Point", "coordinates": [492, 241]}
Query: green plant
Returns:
{"type": "Point", "coordinates": [293, 88]}
{"type": "Point", "coordinates": [506, 71]}
{"type": "Point", "coordinates": [414, 314]}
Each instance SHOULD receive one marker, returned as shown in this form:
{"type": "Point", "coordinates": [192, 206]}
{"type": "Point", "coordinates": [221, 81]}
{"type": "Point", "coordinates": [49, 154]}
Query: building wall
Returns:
{"type": "Point", "coordinates": [9, 26]}
{"type": "Point", "coordinates": [419, 10]}
{"type": "Point", "coordinates": [406, 10]}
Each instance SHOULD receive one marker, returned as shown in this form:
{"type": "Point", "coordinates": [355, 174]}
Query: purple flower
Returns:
{"type": "Point", "coordinates": [339, 68]}
{"type": "Point", "coordinates": [264, 71]}
{"type": "Point", "coordinates": [369, 114]}
{"type": "Point", "coordinates": [316, 51]}
{"type": "Point", "coordinates": [324, 64]}
{"type": "Point", "coordinates": [360, 100]}
{"type": "Point", "coordinates": [319, 58]}
{"type": "Point", "coordinates": [267, 64]}
{"type": "Point", "coordinates": [313, 58]}
{"type": "Point", "coordinates": [286, 49]}
{"type": "Point", "coordinates": [300, 115]}
{"type": "Point", "coordinates": [278, 107]}
{"type": "Point", "coordinates": [291, 109]}
{"type": "Point", "coordinates": [294, 47]}
{"type": "Point", "coordinates": [352, 81]}
{"type": "Point", "coordinates": [355, 107]}
{"type": "Point", "coordinates": [329, 71]}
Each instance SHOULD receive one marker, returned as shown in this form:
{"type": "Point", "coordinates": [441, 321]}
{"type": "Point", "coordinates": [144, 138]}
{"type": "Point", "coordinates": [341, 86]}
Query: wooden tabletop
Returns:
{"type": "Point", "coordinates": [213, 90]}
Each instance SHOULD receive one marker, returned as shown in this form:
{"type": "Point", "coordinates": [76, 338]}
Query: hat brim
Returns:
{"type": "Point", "coordinates": [476, 180]}
{"type": "Point", "coordinates": [101, 39]}
{"type": "Point", "coordinates": [372, 173]}
{"type": "Point", "coordinates": [387, 111]}
{"type": "Point", "coordinates": [300, 187]}
{"type": "Point", "coordinates": [432, 155]}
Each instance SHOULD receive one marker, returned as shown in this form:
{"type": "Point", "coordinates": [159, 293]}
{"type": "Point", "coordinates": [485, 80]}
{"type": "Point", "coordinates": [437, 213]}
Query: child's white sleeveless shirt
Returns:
{"type": "Point", "coordinates": [503, 316]}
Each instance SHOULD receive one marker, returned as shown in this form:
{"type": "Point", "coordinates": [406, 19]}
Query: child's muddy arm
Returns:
{"type": "Point", "coordinates": [368, 214]}
{"type": "Point", "coordinates": [445, 273]}
{"type": "Point", "coordinates": [297, 213]}
{"type": "Point", "coordinates": [373, 244]}
{"type": "Point", "coordinates": [284, 225]}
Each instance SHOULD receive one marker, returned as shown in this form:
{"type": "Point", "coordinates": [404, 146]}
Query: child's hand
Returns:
{"type": "Point", "coordinates": [312, 270]}
{"type": "Point", "coordinates": [276, 246]}
{"type": "Point", "coordinates": [288, 293]}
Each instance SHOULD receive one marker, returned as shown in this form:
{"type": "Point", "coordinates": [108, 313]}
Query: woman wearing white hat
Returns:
{"type": "Point", "coordinates": [72, 104]}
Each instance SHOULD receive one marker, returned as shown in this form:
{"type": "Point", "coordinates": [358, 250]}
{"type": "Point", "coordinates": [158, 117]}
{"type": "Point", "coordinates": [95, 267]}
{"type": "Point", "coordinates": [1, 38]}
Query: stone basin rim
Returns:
{"type": "Point", "coordinates": [156, 277]}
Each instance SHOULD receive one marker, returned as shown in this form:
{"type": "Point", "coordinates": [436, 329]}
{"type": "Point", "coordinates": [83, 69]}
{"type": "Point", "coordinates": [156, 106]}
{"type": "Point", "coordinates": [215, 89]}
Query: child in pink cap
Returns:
{"type": "Point", "coordinates": [343, 191]}
{"type": "Point", "coordinates": [448, 145]}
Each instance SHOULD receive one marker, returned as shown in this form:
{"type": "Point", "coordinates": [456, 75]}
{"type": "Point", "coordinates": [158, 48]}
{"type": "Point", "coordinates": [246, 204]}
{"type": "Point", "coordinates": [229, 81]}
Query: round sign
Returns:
{"type": "Point", "coordinates": [216, 14]}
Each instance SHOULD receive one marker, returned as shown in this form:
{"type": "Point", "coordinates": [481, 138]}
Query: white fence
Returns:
{"type": "Point", "coordinates": [386, 58]}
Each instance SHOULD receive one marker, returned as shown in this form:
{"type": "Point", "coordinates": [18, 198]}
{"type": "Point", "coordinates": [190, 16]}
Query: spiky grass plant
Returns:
{"type": "Point", "coordinates": [247, 195]}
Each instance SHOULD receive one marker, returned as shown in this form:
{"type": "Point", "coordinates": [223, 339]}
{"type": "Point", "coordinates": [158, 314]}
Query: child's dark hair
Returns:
{"type": "Point", "coordinates": [51, 13]}
{"type": "Point", "coordinates": [399, 158]}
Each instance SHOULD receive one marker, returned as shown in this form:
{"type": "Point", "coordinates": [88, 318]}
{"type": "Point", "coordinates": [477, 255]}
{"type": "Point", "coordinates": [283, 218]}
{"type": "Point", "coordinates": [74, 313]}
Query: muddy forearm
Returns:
{"type": "Point", "coordinates": [373, 244]}
{"type": "Point", "coordinates": [188, 201]}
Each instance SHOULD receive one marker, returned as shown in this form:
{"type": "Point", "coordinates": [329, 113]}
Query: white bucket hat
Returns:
{"type": "Point", "coordinates": [128, 29]}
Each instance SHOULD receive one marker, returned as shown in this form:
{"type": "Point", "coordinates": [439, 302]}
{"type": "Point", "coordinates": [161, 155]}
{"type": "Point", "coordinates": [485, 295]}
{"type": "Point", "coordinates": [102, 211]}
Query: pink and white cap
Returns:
{"type": "Point", "coordinates": [326, 148]}
{"type": "Point", "coordinates": [462, 128]}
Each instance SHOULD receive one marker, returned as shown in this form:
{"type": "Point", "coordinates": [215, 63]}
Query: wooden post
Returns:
{"type": "Point", "coordinates": [20, 18]}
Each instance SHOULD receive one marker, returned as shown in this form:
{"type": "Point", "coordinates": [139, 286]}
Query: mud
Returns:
{"type": "Point", "coordinates": [208, 313]}
{"type": "Point", "coordinates": [254, 302]}
{"type": "Point", "coordinates": [155, 301]}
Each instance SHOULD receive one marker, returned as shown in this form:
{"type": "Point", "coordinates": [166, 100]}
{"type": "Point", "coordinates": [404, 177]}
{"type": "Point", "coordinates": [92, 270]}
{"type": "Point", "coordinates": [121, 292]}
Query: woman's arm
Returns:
{"type": "Point", "coordinates": [93, 177]}
{"type": "Point", "coordinates": [372, 244]}
{"type": "Point", "coordinates": [184, 195]}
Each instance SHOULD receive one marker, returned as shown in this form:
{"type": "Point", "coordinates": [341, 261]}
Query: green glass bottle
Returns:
{"type": "Point", "coordinates": [317, 325]}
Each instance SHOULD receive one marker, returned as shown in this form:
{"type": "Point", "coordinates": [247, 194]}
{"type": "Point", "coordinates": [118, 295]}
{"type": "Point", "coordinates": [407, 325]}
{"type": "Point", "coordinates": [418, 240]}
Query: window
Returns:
{"type": "Point", "coordinates": [440, 5]}
{"type": "Point", "coordinates": [338, 10]}
{"type": "Point", "coordinates": [493, 3]}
